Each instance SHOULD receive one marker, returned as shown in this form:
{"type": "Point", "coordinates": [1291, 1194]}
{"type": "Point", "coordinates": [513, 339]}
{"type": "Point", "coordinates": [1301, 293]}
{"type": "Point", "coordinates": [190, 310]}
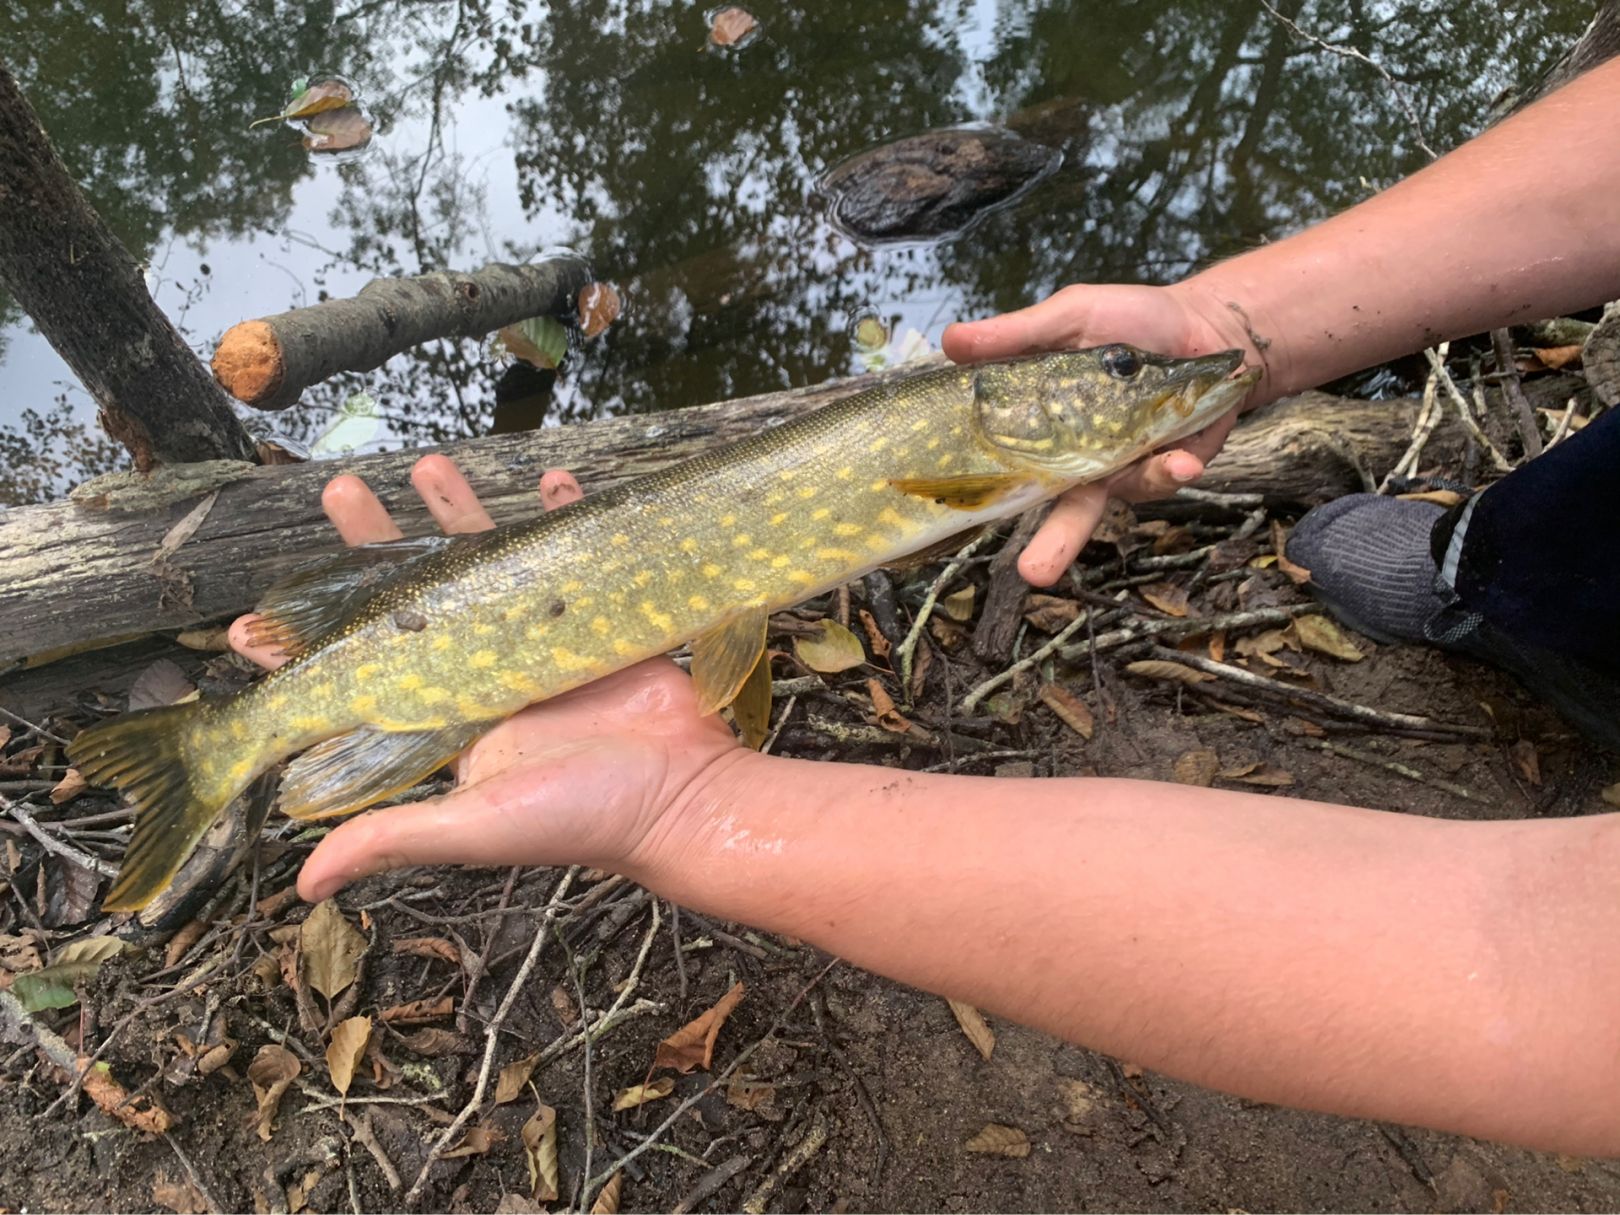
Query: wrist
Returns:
{"type": "Point", "coordinates": [675, 846]}
{"type": "Point", "coordinates": [1233, 312]}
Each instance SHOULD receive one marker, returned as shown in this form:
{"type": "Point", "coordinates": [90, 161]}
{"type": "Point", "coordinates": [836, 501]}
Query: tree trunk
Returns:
{"type": "Point", "coordinates": [79, 576]}
{"type": "Point", "coordinates": [85, 292]}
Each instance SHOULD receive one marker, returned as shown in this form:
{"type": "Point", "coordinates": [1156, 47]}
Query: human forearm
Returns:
{"type": "Point", "coordinates": [1341, 959]}
{"type": "Point", "coordinates": [1492, 234]}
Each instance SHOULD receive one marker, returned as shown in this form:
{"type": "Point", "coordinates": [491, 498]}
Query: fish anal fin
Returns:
{"type": "Point", "coordinates": [318, 599]}
{"type": "Point", "coordinates": [960, 493]}
{"type": "Point", "coordinates": [751, 707]}
{"type": "Point", "coordinates": [365, 765]}
{"type": "Point", "coordinates": [724, 657]}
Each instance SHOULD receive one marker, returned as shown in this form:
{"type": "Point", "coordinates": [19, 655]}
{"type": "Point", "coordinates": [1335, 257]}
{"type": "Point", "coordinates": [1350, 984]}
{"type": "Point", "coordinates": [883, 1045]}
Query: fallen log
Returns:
{"type": "Point", "coordinates": [268, 362]}
{"type": "Point", "coordinates": [77, 577]}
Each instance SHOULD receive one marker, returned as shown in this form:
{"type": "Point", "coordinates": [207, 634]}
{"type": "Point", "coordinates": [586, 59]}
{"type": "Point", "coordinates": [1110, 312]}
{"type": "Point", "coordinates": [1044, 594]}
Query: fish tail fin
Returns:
{"type": "Point", "coordinates": [147, 755]}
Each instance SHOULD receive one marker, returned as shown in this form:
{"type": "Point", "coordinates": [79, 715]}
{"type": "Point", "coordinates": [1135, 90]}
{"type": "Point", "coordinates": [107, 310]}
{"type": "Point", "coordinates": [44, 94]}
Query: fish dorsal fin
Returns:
{"type": "Point", "coordinates": [947, 547]}
{"type": "Point", "coordinates": [319, 598]}
{"type": "Point", "coordinates": [751, 707]}
{"type": "Point", "coordinates": [724, 657]}
{"type": "Point", "coordinates": [357, 769]}
{"type": "Point", "coordinates": [960, 493]}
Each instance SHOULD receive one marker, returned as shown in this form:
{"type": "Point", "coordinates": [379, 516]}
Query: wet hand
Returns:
{"type": "Point", "coordinates": [1160, 319]}
{"type": "Point", "coordinates": [589, 777]}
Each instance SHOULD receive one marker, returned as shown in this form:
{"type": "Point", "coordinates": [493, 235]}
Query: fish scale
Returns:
{"type": "Point", "coordinates": [391, 679]}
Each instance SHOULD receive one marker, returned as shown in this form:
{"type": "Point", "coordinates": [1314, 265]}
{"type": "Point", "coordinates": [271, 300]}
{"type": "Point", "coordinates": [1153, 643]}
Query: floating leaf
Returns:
{"type": "Point", "coordinates": [476, 1142]}
{"type": "Point", "coordinates": [509, 1084]}
{"type": "Point", "coordinates": [607, 1200]}
{"type": "Point", "coordinates": [598, 308]}
{"type": "Point", "coordinates": [331, 949]}
{"type": "Point", "coordinates": [539, 341]}
{"type": "Point", "coordinates": [974, 1025]}
{"type": "Point", "coordinates": [347, 1048]}
{"type": "Point", "coordinates": [271, 1073]}
{"type": "Point", "coordinates": [835, 650]}
{"type": "Point", "coordinates": [1070, 709]}
{"type": "Point", "coordinates": [418, 1010]}
{"type": "Point", "coordinates": [337, 130]}
{"type": "Point", "coordinates": [357, 424]}
{"type": "Point", "coordinates": [731, 25]}
{"type": "Point", "coordinates": [640, 1094]}
{"type": "Point", "coordinates": [1166, 596]}
{"type": "Point", "coordinates": [135, 1110]}
{"type": "Point", "coordinates": [311, 100]}
{"type": "Point", "coordinates": [999, 1140]}
{"type": "Point", "coordinates": [1197, 768]}
{"type": "Point", "coordinates": [429, 947]}
{"type": "Point", "coordinates": [1325, 637]}
{"type": "Point", "coordinates": [1175, 672]}
{"type": "Point", "coordinates": [75, 963]}
{"type": "Point", "coordinates": [540, 1148]}
{"type": "Point", "coordinates": [693, 1044]}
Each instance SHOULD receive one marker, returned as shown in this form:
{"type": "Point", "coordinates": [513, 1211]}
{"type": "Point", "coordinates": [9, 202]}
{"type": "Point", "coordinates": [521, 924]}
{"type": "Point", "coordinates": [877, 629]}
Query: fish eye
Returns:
{"type": "Point", "coordinates": [1121, 362]}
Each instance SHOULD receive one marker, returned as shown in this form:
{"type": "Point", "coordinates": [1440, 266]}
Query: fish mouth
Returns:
{"type": "Point", "coordinates": [1202, 390]}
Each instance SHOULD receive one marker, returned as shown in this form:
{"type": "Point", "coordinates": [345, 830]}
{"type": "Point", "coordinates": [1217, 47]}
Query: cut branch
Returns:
{"type": "Point", "coordinates": [267, 363]}
{"type": "Point", "coordinates": [85, 293]}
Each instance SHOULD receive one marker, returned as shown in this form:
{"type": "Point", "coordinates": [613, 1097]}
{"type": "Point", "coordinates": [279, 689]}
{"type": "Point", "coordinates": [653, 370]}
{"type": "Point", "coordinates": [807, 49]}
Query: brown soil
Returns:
{"type": "Point", "coordinates": [882, 1071]}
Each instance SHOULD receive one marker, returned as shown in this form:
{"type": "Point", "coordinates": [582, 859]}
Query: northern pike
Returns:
{"type": "Point", "coordinates": [403, 654]}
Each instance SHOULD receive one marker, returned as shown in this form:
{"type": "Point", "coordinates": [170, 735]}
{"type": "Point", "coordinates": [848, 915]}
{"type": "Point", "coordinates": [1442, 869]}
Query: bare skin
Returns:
{"type": "Point", "coordinates": [1455, 975]}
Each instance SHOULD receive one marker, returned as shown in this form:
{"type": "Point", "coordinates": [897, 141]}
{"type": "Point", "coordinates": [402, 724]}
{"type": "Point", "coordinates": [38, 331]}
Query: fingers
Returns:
{"type": "Point", "coordinates": [1157, 476]}
{"type": "Point", "coordinates": [1048, 325]}
{"type": "Point", "coordinates": [558, 488]}
{"type": "Point", "coordinates": [356, 512]}
{"type": "Point", "coordinates": [448, 497]}
{"type": "Point", "coordinates": [267, 656]}
{"type": "Point", "coordinates": [1059, 541]}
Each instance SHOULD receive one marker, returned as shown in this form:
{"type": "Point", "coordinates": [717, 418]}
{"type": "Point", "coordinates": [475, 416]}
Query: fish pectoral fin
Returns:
{"type": "Point", "coordinates": [724, 657]}
{"type": "Point", "coordinates": [357, 769]}
{"type": "Point", "coordinates": [961, 493]}
{"type": "Point", "coordinates": [751, 707]}
{"type": "Point", "coordinates": [318, 599]}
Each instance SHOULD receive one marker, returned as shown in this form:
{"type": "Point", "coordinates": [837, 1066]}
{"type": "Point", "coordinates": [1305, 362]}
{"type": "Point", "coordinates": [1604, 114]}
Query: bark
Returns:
{"type": "Point", "coordinates": [78, 577]}
{"type": "Point", "coordinates": [268, 362]}
{"type": "Point", "coordinates": [85, 293]}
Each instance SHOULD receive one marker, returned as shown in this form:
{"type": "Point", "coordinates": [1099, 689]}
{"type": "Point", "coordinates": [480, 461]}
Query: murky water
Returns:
{"type": "Point", "coordinates": [1188, 130]}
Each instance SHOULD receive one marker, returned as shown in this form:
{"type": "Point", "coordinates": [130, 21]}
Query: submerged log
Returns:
{"type": "Point", "coordinates": [78, 577]}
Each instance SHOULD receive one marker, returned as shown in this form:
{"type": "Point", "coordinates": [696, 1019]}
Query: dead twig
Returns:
{"type": "Point", "coordinates": [907, 649]}
{"type": "Point", "coordinates": [367, 1138]}
{"type": "Point", "coordinates": [1230, 622]}
{"type": "Point", "coordinates": [1429, 415]}
{"type": "Point", "coordinates": [813, 1141]}
{"type": "Point", "coordinates": [1437, 362]}
{"type": "Point", "coordinates": [1508, 373]}
{"type": "Point", "coordinates": [1395, 766]}
{"type": "Point", "coordinates": [53, 845]}
{"type": "Point", "coordinates": [710, 1182]}
{"type": "Point", "coordinates": [191, 1173]}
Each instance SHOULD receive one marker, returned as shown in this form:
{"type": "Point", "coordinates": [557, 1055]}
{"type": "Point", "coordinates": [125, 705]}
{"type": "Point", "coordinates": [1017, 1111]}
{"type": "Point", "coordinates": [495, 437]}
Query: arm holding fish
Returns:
{"type": "Point", "coordinates": [1340, 959]}
{"type": "Point", "coordinates": [1477, 240]}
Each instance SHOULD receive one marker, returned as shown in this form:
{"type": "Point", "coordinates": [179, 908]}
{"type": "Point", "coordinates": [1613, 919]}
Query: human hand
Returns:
{"type": "Point", "coordinates": [587, 777]}
{"type": "Point", "coordinates": [1166, 320]}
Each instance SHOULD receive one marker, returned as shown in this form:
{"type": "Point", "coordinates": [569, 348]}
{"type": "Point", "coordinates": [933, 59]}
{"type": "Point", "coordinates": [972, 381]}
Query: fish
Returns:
{"type": "Point", "coordinates": [403, 654]}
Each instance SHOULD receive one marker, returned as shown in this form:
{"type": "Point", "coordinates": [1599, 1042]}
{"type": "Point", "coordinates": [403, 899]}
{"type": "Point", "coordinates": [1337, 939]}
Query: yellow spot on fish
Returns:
{"type": "Point", "coordinates": [1115, 425]}
{"type": "Point", "coordinates": [242, 769]}
{"type": "Point", "coordinates": [787, 474]}
{"type": "Point", "coordinates": [775, 498]}
{"type": "Point", "coordinates": [623, 648]}
{"type": "Point", "coordinates": [643, 577]}
{"type": "Point", "coordinates": [277, 702]}
{"type": "Point", "coordinates": [727, 520]}
{"type": "Point", "coordinates": [584, 601]}
{"type": "Point", "coordinates": [802, 577]}
{"type": "Point", "coordinates": [308, 721]}
{"type": "Point", "coordinates": [711, 570]}
{"type": "Point", "coordinates": [778, 561]}
{"type": "Point", "coordinates": [238, 729]}
{"type": "Point", "coordinates": [433, 696]}
{"type": "Point", "coordinates": [688, 545]}
{"type": "Point", "coordinates": [572, 585]}
{"type": "Point", "coordinates": [616, 598]}
{"type": "Point", "coordinates": [956, 432]}
{"type": "Point", "coordinates": [945, 460]}
{"type": "Point", "coordinates": [600, 626]}
{"type": "Point", "coordinates": [847, 529]}
{"type": "Point", "coordinates": [409, 682]}
{"type": "Point", "coordinates": [363, 704]}
{"type": "Point", "coordinates": [567, 660]}
{"type": "Point", "coordinates": [517, 681]}
{"type": "Point", "coordinates": [877, 543]}
{"type": "Point", "coordinates": [620, 539]}
{"type": "Point", "coordinates": [743, 584]}
{"type": "Point", "coordinates": [919, 424]}
{"type": "Point", "coordinates": [366, 670]}
{"type": "Point", "coordinates": [1098, 421]}
{"type": "Point", "coordinates": [779, 519]}
{"type": "Point", "coordinates": [845, 473]}
{"type": "Point", "coordinates": [482, 628]}
{"type": "Point", "coordinates": [667, 521]}
{"type": "Point", "coordinates": [808, 491]}
{"type": "Point", "coordinates": [760, 554]}
{"type": "Point", "coordinates": [660, 620]}
{"type": "Point", "coordinates": [742, 541]}
{"type": "Point", "coordinates": [891, 516]}
{"type": "Point", "coordinates": [932, 443]}
{"type": "Point", "coordinates": [442, 641]}
{"type": "Point", "coordinates": [697, 603]}
{"type": "Point", "coordinates": [483, 659]}
{"type": "Point", "coordinates": [835, 554]}
{"type": "Point", "coordinates": [878, 444]}
{"type": "Point", "coordinates": [821, 512]}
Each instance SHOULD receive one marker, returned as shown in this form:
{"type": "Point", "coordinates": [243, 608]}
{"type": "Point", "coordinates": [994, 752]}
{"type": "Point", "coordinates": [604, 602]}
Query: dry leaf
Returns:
{"type": "Point", "coordinates": [563, 1005]}
{"type": "Point", "coordinates": [1217, 645]}
{"type": "Point", "coordinates": [607, 1200]}
{"type": "Point", "coordinates": [331, 949]}
{"type": "Point", "coordinates": [55, 985]}
{"type": "Point", "coordinates": [974, 1025]}
{"type": "Point", "coordinates": [1556, 358]}
{"type": "Point", "coordinates": [1268, 642]}
{"type": "Point", "coordinates": [162, 683]}
{"type": "Point", "coordinates": [746, 1093]}
{"type": "Point", "coordinates": [509, 1084]}
{"type": "Point", "coordinates": [181, 1197]}
{"type": "Point", "coordinates": [1048, 613]}
{"type": "Point", "coordinates": [598, 308]}
{"type": "Point", "coordinates": [959, 606]}
{"type": "Point", "coordinates": [190, 933]}
{"type": "Point", "coordinates": [998, 1140]}
{"type": "Point", "coordinates": [693, 1044]}
{"type": "Point", "coordinates": [271, 1073]}
{"type": "Point", "coordinates": [434, 1042]}
{"type": "Point", "coordinates": [540, 1148]}
{"type": "Point", "coordinates": [319, 97]}
{"type": "Point", "coordinates": [1325, 637]}
{"type": "Point", "coordinates": [216, 1057]}
{"type": "Point", "coordinates": [477, 1142]}
{"type": "Point", "coordinates": [1524, 757]}
{"type": "Point", "coordinates": [730, 25]}
{"type": "Point", "coordinates": [338, 130]}
{"type": "Point", "coordinates": [883, 710]}
{"type": "Point", "coordinates": [68, 788]}
{"type": "Point", "coordinates": [1197, 768]}
{"type": "Point", "coordinates": [640, 1094]}
{"type": "Point", "coordinates": [1159, 668]}
{"type": "Point", "coordinates": [347, 1048]}
{"type": "Point", "coordinates": [418, 1010]}
{"type": "Point", "coordinates": [874, 635]}
{"type": "Point", "coordinates": [429, 947]}
{"type": "Point", "coordinates": [267, 970]}
{"type": "Point", "coordinates": [138, 1111]}
{"type": "Point", "coordinates": [1263, 775]}
{"type": "Point", "coordinates": [919, 671]}
{"type": "Point", "coordinates": [835, 650]}
{"type": "Point", "coordinates": [1297, 574]}
{"type": "Point", "coordinates": [1070, 708]}
{"type": "Point", "coordinates": [1167, 597]}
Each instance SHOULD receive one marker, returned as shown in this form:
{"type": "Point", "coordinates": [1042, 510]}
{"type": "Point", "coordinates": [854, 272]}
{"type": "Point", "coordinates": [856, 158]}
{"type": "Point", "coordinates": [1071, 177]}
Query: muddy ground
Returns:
{"type": "Point", "coordinates": [857, 1094]}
